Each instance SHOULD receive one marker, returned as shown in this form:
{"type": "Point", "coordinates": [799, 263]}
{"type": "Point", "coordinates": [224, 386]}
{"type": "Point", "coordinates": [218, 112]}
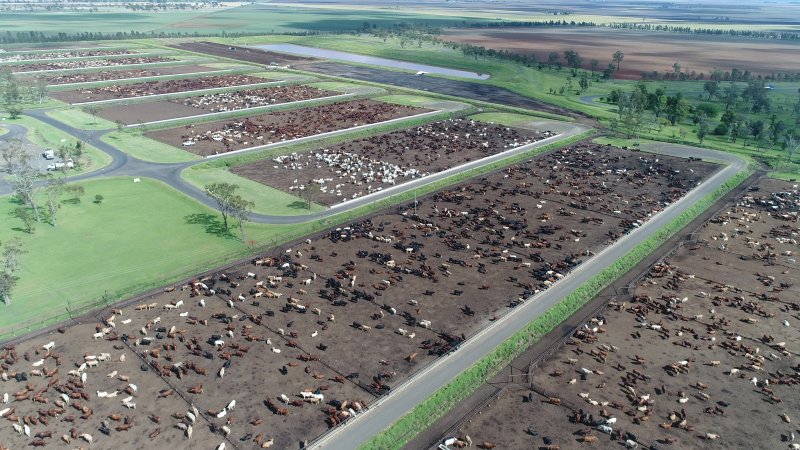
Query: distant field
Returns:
{"type": "Point", "coordinates": [243, 19]}
{"type": "Point", "coordinates": [644, 51]}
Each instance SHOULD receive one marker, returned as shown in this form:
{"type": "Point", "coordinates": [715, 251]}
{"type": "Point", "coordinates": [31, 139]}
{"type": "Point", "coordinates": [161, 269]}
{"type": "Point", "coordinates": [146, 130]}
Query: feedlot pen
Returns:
{"type": "Point", "coordinates": [341, 318]}
{"type": "Point", "coordinates": [704, 353]}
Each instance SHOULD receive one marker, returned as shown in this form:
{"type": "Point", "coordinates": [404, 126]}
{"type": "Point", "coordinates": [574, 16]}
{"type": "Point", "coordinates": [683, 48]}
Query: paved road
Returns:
{"type": "Point", "coordinates": [406, 396]}
{"type": "Point", "coordinates": [125, 165]}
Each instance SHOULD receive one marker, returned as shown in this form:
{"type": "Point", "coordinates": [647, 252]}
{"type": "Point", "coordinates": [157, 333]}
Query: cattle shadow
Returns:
{"type": "Point", "coordinates": [213, 224]}
{"type": "Point", "coordinates": [297, 205]}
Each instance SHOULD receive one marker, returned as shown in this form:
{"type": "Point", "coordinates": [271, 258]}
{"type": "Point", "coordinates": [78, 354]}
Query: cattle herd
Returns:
{"type": "Point", "coordinates": [356, 168]}
{"type": "Point", "coordinates": [252, 98]}
{"type": "Point", "coordinates": [704, 353]}
{"type": "Point", "coordinates": [88, 63]}
{"type": "Point", "coordinates": [62, 55]}
{"type": "Point", "coordinates": [133, 90]}
{"type": "Point", "coordinates": [228, 135]}
{"type": "Point", "coordinates": [277, 350]}
{"type": "Point", "coordinates": [108, 75]}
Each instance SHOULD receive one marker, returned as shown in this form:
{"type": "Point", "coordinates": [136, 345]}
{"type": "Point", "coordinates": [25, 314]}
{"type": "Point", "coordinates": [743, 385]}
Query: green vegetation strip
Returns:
{"type": "Point", "coordinates": [424, 414]}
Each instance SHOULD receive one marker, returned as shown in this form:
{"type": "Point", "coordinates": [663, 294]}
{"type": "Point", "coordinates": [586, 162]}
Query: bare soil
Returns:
{"type": "Point", "coordinates": [644, 51]}
{"type": "Point", "coordinates": [337, 313]}
{"type": "Point", "coordinates": [80, 64]}
{"type": "Point", "coordinates": [209, 103]}
{"type": "Point", "coordinates": [85, 77]}
{"type": "Point", "coordinates": [133, 90]}
{"type": "Point", "coordinates": [228, 135]}
{"type": "Point", "coordinates": [64, 55]}
{"type": "Point", "coordinates": [242, 53]}
{"type": "Point", "coordinates": [360, 167]}
{"type": "Point", "coordinates": [716, 365]}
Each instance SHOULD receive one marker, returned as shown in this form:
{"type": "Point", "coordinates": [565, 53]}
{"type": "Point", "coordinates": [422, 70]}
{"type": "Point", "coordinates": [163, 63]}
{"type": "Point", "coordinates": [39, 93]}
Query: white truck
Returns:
{"type": "Point", "coordinates": [49, 154]}
{"type": "Point", "coordinates": [69, 164]}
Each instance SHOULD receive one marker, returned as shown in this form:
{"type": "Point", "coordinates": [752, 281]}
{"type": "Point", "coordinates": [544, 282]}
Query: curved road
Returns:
{"type": "Point", "coordinates": [403, 398]}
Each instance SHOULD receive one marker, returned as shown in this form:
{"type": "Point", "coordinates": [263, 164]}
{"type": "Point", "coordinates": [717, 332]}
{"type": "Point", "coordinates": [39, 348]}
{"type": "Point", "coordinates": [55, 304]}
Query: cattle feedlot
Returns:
{"type": "Point", "coordinates": [363, 246]}
{"type": "Point", "coordinates": [331, 322]}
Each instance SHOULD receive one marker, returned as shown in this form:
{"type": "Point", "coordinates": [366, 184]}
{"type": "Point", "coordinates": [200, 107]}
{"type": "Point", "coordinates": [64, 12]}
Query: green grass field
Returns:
{"type": "Point", "coordinates": [76, 118]}
{"type": "Point", "coordinates": [268, 200]}
{"type": "Point", "coordinates": [141, 235]}
{"type": "Point", "coordinates": [133, 143]}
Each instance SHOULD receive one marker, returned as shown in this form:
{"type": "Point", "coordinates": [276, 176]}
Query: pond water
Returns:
{"type": "Point", "coordinates": [354, 57]}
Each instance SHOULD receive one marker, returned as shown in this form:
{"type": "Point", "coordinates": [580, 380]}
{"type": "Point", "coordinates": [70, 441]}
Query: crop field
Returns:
{"type": "Point", "coordinates": [353, 169]}
{"type": "Point", "coordinates": [210, 103]}
{"type": "Point", "coordinates": [109, 75]}
{"type": "Point", "coordinates": [338, 318]}
{"type": "Point", "coordinates": [146, 88]}
{"type": "Point", "coordinates": [87, 63]}
{"type": "Point", "coordinates": [644, 51]}
{"type": "Point", "coordinates": [703, 353]}
{"type": "Point", "coordinates": [229, 135]}
{"type": "Point", "coordinates": [63, 55]}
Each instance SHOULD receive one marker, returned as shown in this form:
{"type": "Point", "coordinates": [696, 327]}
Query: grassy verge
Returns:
{"type": "Point", "coordinates": [268, 200]}
{"type": "Point", "coordinates": [76, 118]}
{"type": "Point", "coordinates": [133, 143]}
{"type": "Point", "coordinates": [424, 414]}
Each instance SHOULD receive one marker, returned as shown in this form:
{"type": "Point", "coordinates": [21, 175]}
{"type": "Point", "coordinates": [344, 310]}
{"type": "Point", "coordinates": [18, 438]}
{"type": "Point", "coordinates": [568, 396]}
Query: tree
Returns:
{"type": "Point", "coordinates": [92, 110]}
{"type": "Point", "coordinates": [594, 65]}
{"type": "Point", "coordinates": [240, 210]}
{"type": "Point", "coordinates": [552, 59]}
{"type": "Point", "coordinates": [54, 188]}
{"type": "Point", "coordinates": [40, 88]}
{"type": "Point", "coordinates": [712, 87]}
{"type": "Point", "coordinates": [792, 145]}
{"type": "Point", "coordinates": [10, 265]}
{"type": "Point", "coordinates": [573, 59]}
{"type": "Point", "coordinates": [14, 111]}
{"type": "Point", "coordinates": [223, 194]}
{"type": "Point", "coordinates": [310, 190]}
{"type": "Point", "coordinates": [676, 108]}
{"type": "Point", "coordinates": [22, 181]}
{"type": "Point", "coordinates": [729, 95]}
{"type": "Point", "coordinates": [617, 58]}
{"type": "Point", "coordinates": [13, 153]}
{"type": "Point", "coordinates": [583, 83]}
{"type": "Point", "coordinates": [702, 129]}
{"type": "Point", "coordinates": [75, 192]}
{"type": "Point", "coordinates": [676, 68]}
{"type": "Point", "coordinates": [98, 199]}
{"type": "Point", "coordinates": [24, 214]}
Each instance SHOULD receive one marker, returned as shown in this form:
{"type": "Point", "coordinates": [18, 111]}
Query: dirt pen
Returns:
{"type": "Point", "coordinates": [109, 75]}
{"type": "Point", "coordinates": [87, 63]}
{"type": "Point", "coordinates": [704, 353]}
{"type": "Point", "coordinates": [276, 351]}
{"type": "Point", "coordinates": [133, 90]}
{"type": "Point", "coordinates": [210, 103]}
{"type": "Point", "coordinates": [353, 169]}
{"type": "Point", "coordinates": [229, 135]}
